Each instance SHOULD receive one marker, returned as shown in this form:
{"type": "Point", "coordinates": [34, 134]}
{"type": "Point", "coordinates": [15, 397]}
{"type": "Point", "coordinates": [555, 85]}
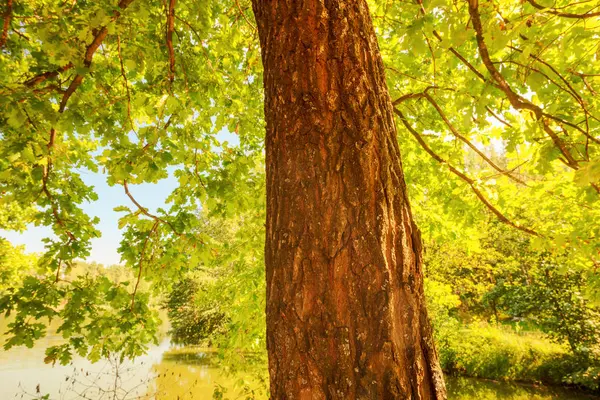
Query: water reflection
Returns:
{"type": "Point", "coordinates": [189, 373]}
{"type": "Point", "coordinates": [23, 374]}
{"type": "Point", "coordinates": [170, 373]}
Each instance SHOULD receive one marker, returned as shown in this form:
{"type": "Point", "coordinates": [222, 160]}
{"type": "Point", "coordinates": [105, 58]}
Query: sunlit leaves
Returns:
{"type": "Point", "coordinates": [128, 121]}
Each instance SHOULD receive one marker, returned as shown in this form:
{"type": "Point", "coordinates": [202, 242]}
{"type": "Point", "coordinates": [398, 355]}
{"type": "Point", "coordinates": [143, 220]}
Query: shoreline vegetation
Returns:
{"type": "Point", "coordinates": [499, 354]}
{"type": "Point", "coordinates": [503, 343]}
{"type": "Point", "coordinates": [469, 345]}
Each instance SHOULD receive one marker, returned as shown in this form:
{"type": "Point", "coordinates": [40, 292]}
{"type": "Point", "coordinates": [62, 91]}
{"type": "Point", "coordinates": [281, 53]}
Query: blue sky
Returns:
{"type": "Point", "coordinates": [104, 249]}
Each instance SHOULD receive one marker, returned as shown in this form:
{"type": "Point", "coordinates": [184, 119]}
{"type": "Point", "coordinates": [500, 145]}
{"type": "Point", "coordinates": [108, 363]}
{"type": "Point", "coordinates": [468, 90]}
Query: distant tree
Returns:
{"type": "Point", "coordinates": [15, 264]}
{"type": "Point", "coordinates": [191, 321]}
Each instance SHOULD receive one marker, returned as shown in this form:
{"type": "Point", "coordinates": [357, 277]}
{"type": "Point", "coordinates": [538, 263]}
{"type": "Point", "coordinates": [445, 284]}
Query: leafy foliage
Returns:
{"type": "Point", "coordinates": [510, 281]}
{"type": "Point", "coordinates": [557, 304]}
{"type": "Point", "coordinates": [498, 120]}
{"type": "Point", "coordinates": [192, 323]}
{"type": "Point", "coordinates": [15, 264]}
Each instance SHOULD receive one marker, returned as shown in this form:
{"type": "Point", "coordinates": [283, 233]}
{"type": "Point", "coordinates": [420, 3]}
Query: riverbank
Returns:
{"type": "Point", "coordinates": [500, 353]}
{"type": "Point", "coordinates": [464, 388]}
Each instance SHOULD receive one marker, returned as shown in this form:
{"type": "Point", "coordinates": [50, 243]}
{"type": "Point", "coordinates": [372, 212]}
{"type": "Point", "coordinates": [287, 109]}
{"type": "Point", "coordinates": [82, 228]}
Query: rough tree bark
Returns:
{"type": "Point", "coordinates": [346, 316]}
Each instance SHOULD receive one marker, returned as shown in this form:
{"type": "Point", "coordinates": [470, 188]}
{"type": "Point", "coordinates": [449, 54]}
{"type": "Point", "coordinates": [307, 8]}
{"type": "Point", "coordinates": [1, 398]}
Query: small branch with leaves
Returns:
{"type": "Point", "coordinates": [144, 210]}
{"type": "Point", "coordinates": [46, 191]}
{"type": "Point", "coordinates": [471, 182]}
{"type": "Point", "coordinates": [89, 54]}
{"type": "Point", "coordinates": [425, 94]}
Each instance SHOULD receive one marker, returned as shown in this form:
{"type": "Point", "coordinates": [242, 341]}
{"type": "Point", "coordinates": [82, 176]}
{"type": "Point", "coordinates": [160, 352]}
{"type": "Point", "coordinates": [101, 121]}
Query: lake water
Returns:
{"type": "Point", "coordinates": [168, 372]}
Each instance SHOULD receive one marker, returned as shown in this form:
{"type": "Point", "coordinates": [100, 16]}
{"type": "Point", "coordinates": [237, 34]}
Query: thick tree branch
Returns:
{"type": "Point", "coordinates": [7, 18]}
{"type": "Point", "coordinates": [69, 92]}
{"type": "Point", "coordinates": [554, 11]}
{"type": "Point", "coordinates": [468, 180]}
{"type": "Point", "coordinates": [36, 80]}
{"type": "Point", "coordinates": [516, 100]}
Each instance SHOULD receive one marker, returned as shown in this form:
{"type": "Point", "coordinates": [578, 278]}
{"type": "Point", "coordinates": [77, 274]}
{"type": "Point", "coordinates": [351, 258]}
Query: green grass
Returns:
{"type": "Point", "coordinates": [500, 353]}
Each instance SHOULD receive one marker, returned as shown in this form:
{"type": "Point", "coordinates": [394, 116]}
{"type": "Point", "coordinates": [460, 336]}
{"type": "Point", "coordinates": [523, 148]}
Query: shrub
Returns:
{"type": "Point", "coordinates": [501, 352]}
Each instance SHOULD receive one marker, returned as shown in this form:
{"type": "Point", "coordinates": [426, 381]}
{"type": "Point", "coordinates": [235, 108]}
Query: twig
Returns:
{"type": "Point", "coordinates": [244, 15]}
{"type": "Point", "coordinates": [140, 265]}
{"type": "Point", "coordinates": [497, 117]}
{"type": "Point", "coordinates": [462, 138]}
{"type": "Point", "coordinates": [170, 29]}
{"type": "Point", "coordinates": [144, 210]}
{"type": "Point", "coordinates": [126, 83]}
{"type": "Point", "coordinates": [57, 278]}
{"type": "Point", "coordinates": [585, 82]}
{"type": "Point", "coordinates": [432, 56]}
{"type": "Point", "coordinates": [554, 11]}
{"type": "Point", "coordinates": [408, 96]}
{"type": "Point", "coordinates": [465, 62]}
{"type": "Point", "coordinates": [200, 41]}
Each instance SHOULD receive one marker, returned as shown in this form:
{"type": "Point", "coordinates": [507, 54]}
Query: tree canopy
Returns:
{"type": "Point", "coordinates": [497, 108]}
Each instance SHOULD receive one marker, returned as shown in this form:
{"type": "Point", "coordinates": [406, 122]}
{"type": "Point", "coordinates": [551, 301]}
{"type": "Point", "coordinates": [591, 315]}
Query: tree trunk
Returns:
{"type": "Point", "coordinates": [346, 315]}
